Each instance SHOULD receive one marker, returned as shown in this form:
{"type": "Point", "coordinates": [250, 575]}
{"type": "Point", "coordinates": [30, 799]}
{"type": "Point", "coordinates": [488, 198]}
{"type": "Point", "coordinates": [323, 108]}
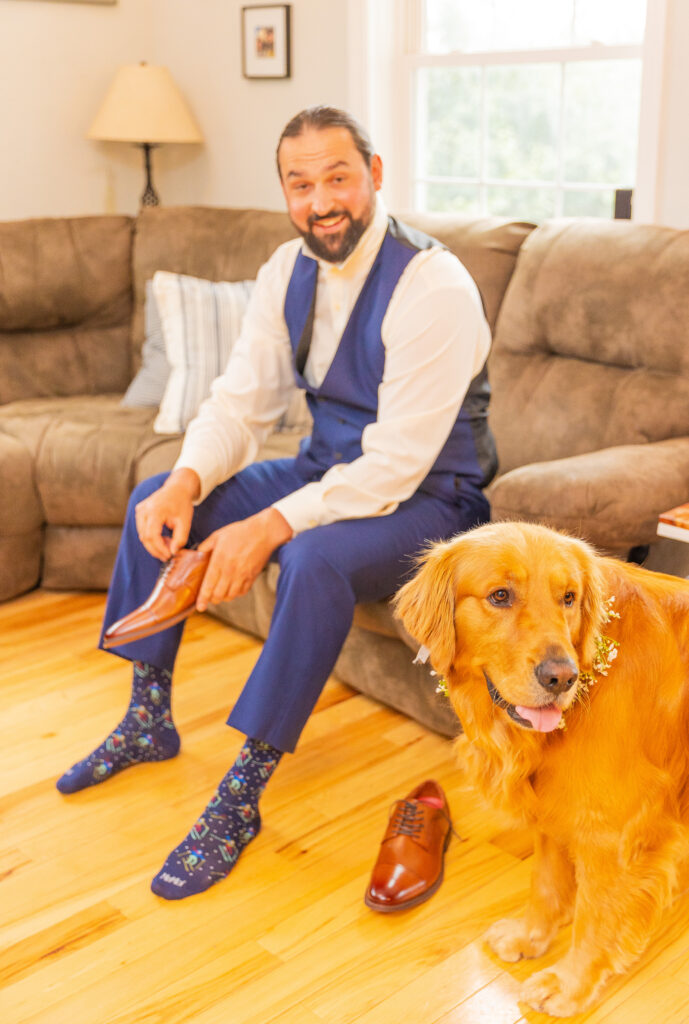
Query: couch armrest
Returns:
{"type": "Point", "coordinates": [612, 497]}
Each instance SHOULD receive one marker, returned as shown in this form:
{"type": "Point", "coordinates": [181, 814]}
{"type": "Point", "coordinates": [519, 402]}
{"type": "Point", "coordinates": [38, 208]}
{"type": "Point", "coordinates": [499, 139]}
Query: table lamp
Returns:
{"type": "Point", "coordinates": [144, 106]}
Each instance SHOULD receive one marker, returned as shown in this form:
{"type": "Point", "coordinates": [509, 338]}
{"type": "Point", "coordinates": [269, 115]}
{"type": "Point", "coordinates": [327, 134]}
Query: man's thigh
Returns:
{"type": "Point", "coordinates": [377, 554]}
{"type": "Point", "coordinates": [249, 491]}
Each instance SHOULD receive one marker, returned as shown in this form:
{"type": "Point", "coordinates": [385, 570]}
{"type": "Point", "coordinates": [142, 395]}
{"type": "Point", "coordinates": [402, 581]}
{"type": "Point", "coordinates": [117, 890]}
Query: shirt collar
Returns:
{"type": "Point", "coordinates": [367, 246]}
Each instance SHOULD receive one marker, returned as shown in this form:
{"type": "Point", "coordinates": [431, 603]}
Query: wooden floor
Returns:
{"type": "Point", "coordinates": [287, 938]}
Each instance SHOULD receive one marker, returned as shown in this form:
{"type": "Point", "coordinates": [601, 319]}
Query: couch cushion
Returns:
{"type": "Point", "coordinates": [86, 453]}
{"type": "Point", "coordinates": [611, 497]}
{"type": "Point", "coordinates": [590, 348]}
{"type": "Point", "coordinates": [21, 519]}
{"type": "Point", "coordinates": [65, 306]}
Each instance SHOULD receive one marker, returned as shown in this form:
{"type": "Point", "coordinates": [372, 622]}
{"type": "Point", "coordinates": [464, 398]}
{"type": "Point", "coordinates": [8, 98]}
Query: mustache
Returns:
{"type": "Point", "coordinates": [314, 218]}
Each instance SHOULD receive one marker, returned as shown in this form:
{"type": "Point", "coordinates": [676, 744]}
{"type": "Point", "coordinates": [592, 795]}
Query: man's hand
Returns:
{"type": "Point", "coordinates": [172, 506]}
{"type": "Point", "coordinates": [239, 552]}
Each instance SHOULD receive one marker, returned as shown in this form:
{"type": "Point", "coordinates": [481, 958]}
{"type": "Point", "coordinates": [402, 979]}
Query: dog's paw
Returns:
{"type": "Point", "coordinates": [550, 991]}
{"type": "Point", "coordinates": [511, 940]}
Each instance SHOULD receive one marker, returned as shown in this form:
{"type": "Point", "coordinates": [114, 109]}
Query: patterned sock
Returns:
{"type": "Point", "coordinates": [146, 733]}
{"type": "Point", "coordinates": [228, 824]}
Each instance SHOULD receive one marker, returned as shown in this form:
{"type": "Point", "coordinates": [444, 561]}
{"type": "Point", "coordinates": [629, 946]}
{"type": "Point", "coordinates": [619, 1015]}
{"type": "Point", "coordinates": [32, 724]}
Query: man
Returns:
{"type": "Point", "coordinates": [384, 329]}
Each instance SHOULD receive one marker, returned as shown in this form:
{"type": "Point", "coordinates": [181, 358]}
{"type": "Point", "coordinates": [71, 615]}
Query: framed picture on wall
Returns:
{"type": "Point", "coordinates": [266, 41]}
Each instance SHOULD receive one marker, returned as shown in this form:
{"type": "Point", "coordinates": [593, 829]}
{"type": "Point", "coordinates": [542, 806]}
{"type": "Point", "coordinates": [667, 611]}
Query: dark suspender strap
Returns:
{"type": "Point", "coordinates": [304, 346]}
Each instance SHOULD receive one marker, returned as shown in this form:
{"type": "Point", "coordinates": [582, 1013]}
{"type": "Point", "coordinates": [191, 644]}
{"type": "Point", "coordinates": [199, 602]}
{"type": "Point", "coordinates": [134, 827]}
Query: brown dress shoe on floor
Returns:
{"type": "Point", "coordinates": [173, 598]}
{"type": "Point", "coordinates": [409, 868]}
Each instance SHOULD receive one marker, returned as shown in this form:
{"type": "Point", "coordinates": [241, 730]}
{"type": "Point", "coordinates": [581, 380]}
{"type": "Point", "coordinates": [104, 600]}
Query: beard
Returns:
{"type": "Point", "coordinates": [336, 248]}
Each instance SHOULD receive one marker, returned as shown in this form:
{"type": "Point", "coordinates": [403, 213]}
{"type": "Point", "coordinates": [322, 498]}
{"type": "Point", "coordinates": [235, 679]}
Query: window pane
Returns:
{"type": "Point", "coordinates": [579, 203]}
{"type": "Point", "coordinates": [472, 26]}
{"type": "Point", "coordinates": [477, 25]}
{"type": "Point", "coordinates": [617, 22]}
{"type": "Point", "coordinates": [448, 198]}
{"type": "Point", "coordinates": [601, 121]}
{"type": "Point", "coordinates": [449, 143]}
{"type": "Point", "coordinates": [522, 110]}
{"type": "Point", "coordinates": [534, 204]}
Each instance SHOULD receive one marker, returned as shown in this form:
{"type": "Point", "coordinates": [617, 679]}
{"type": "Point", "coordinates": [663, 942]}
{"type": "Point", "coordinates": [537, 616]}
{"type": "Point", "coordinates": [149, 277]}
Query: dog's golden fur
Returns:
{"type": "Point", "coordinates": [608, 795]}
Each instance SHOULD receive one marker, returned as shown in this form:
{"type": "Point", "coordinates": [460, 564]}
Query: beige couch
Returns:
{"type": "Point", "coordinates": [589, 367]}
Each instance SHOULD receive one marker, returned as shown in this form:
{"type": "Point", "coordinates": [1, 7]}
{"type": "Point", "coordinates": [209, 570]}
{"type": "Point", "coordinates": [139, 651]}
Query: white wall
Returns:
{"type": "Point", "coordinates": [241, 118]}
{"type": "Point", "coordinates": [56, 60]}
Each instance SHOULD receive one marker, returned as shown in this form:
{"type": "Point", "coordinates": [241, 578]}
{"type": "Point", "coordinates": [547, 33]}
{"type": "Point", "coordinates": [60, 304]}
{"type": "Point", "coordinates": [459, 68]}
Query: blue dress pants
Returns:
{"type": "Point", "coordinates": [323, 573]}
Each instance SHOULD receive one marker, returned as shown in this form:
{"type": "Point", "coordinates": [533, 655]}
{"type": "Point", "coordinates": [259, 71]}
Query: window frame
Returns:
{"type": "Point", "coordinates": [386, 96]}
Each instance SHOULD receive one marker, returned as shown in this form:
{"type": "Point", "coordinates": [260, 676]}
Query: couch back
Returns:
{"type": "Point", "coordinates": [231, 244]}
{"type": "Point", "coordinates": [590, 349]}
{"type": "Point", "coordinates": [65, 306]}
{"type": "Point", "coordinates": [72, 290]}
{"type": "Point", "coordinates": [215, 243]}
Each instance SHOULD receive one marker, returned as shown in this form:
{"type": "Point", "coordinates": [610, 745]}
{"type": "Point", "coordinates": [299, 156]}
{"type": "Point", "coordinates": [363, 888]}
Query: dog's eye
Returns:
{"type": "Point", "coordinates": [500, 598]}
{"type": "Point", "coordinates": [569, 598]}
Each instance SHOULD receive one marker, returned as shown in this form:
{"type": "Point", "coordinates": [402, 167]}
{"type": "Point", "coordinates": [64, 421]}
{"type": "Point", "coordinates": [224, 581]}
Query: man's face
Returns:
{"type": "Point", "coordinates": [330, 191]}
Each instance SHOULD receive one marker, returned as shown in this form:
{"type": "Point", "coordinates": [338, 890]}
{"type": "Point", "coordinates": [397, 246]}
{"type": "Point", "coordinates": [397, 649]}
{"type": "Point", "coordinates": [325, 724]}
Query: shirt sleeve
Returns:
{"type": "Point", "coordinates": [247, 400]}
{"type": "Point", "coordinates": [436, 340]}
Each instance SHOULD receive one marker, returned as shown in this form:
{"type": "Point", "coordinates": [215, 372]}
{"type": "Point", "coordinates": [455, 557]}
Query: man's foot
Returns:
{"type": "Point", "coordinates": [146, 733]}
{"type": "Point", "coordinates": [227, 825]}
{"type": "Point", "coordinates": [209, 852]}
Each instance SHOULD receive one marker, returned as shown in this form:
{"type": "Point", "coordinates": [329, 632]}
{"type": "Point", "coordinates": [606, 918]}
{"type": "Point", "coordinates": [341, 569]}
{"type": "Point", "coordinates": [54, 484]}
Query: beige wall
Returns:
{"type": "Point", "coordinates": [241, 119]}
{"type": "Point", "coordinates": [58, 58]}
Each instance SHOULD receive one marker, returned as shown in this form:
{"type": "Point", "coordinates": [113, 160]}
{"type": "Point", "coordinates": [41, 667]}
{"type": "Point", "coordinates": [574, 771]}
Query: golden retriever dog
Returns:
{"type": "Point", "coordinates": [569, 673]}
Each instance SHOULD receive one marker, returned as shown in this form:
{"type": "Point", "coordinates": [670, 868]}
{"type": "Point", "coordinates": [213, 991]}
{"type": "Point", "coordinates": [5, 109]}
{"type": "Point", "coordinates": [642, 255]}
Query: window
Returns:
{"type": "Point", "coordinates": [525, 108]}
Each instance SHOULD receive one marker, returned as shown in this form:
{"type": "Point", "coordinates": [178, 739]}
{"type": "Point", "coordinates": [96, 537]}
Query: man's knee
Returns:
{"type": "Point", "coordinates": [310, 562]}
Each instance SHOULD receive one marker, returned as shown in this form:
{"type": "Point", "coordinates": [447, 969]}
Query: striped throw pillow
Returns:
{"type": "Point", "coordinates": [201, 321]}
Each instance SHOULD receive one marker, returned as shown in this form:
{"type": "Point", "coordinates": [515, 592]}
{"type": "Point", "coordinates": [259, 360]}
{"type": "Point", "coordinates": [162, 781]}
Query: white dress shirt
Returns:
{"type": "Point", "coordinates": [436, 340]}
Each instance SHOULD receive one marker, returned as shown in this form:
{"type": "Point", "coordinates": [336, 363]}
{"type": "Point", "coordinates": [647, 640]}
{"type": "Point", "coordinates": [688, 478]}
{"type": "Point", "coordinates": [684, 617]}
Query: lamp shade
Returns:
{"type": "Point", "coordinates": [143, 104]}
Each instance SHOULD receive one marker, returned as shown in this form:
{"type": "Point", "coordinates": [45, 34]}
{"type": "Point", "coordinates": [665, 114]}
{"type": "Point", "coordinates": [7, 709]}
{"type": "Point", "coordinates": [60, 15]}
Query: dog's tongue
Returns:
{"type": "Point", "coordinates": [543, 719]}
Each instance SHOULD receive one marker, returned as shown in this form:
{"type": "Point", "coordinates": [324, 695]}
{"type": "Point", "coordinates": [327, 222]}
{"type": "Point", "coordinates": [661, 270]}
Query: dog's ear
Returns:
{"type": "Point", "coordinates": [593, 605]}
{"type": "Point", "coordinates": [426, 605]}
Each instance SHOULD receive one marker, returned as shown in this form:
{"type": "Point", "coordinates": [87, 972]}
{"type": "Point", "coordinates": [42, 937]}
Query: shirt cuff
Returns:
{"type": "Point", "coordinates": [205, 473]}
{"type": "Point", "coordinates": [304, 509]}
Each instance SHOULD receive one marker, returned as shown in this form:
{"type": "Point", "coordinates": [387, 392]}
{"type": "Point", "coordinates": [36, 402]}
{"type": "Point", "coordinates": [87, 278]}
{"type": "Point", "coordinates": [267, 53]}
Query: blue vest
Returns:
{"type": "Point", "coordinates": [347, 399]}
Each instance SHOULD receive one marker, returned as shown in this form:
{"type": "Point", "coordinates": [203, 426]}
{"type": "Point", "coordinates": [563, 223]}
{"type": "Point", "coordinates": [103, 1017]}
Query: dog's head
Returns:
{"type": "Point", "coordinates": [514, 605]}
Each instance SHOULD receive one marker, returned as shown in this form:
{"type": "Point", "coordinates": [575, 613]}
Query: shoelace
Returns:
{"type": "Point", "coordinates": [408, 819]}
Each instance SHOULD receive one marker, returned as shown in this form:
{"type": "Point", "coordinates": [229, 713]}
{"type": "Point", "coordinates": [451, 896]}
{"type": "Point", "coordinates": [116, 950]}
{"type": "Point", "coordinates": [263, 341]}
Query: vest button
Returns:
{"type": "Point", "coordinates": [338, 455]}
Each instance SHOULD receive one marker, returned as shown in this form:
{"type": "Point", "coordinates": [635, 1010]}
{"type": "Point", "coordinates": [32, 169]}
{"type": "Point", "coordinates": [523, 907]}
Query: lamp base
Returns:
{"type": "Point", "coordinates": [150, 197]}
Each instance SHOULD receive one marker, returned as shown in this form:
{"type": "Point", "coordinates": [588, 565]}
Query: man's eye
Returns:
{"type": "Point", "coordinates": [500, 597]}
{"type": "Point", "coordinates": [569, 598]}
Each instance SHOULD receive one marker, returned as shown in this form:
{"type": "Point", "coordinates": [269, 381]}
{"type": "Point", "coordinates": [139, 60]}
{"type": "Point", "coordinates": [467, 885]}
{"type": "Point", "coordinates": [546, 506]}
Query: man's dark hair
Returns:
{"type": "Point", "coordinates": [327, 117]}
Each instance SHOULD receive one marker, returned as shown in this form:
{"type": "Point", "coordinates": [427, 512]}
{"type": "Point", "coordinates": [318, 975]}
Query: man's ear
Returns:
{"type": "Point", "coordinates": [426, 605]}
{"type": "Point", "coordinates": [376, 171]}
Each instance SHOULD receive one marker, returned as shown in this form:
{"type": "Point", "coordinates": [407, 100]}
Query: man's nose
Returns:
{"type": "Point", "coordinates": [322, 202]}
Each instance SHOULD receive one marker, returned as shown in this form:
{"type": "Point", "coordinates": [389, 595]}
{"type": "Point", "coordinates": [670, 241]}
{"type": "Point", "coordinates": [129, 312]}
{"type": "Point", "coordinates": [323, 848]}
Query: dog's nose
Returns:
{"type": "Point", "coordinates": [556, 675]}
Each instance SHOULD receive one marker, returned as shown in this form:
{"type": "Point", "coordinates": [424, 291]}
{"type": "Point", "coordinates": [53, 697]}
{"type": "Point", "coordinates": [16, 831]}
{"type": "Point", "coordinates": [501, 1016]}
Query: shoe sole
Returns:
{"type": "Point", "coordinates": [108, 643]}
{"type": "Point", "coordinates": [421, 898]}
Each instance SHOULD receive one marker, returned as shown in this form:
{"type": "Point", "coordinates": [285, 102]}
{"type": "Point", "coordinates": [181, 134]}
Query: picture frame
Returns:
{"type": "Point", "coordinates": [266, 41]}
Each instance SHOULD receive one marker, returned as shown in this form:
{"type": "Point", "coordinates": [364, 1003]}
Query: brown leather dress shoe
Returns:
{"type": "Point", "coordinates": [409, 868]}
{"type": "Point", "coordinates": [173, 598]}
